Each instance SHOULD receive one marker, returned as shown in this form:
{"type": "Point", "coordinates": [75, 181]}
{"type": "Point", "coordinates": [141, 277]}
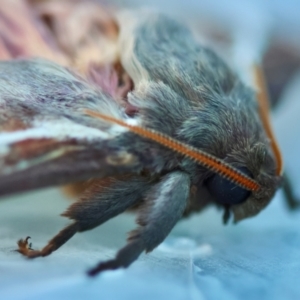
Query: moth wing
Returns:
{"type": "Point", "coordinates": [46, 138]}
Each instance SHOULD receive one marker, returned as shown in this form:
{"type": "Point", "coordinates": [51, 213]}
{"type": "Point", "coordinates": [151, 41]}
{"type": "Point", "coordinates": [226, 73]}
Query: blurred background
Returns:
{"type": "Point", "coordinates": [258, 258]}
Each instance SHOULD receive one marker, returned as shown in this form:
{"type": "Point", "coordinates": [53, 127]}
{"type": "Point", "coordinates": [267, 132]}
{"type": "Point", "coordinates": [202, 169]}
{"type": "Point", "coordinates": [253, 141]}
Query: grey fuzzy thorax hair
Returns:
{"type": "Point", "coordinates": [192, 95]}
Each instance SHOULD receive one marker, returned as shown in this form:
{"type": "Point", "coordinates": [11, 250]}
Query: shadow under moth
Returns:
{"type": "Point", "coordinates": [186, 133]}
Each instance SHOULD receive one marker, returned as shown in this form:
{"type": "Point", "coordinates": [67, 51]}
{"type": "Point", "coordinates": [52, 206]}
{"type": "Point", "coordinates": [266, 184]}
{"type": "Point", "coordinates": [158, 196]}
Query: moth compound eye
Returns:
{"type": "Point", "coordinates": [225, 191]}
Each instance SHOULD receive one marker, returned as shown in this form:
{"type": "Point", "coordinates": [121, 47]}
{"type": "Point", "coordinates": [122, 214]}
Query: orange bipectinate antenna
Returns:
{"type": "Point", "coordinates": [263, 102]}
{"type": "Point", "coordinates": [207, 160]}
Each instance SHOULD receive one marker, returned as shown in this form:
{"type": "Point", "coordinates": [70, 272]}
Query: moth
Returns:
{"type": "Point", "coordinates": [190, 134]}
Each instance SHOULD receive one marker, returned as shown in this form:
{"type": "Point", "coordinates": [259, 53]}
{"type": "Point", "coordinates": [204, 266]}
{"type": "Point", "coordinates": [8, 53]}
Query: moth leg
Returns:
{"type": "Point", "coordinates": [164, 205]}
{"type": "Point", "coordinates": [291, 201]}
{"type": "Point", "coordinates": [56, 242]}
{"type": "Point", "coordinates": [99, 204]}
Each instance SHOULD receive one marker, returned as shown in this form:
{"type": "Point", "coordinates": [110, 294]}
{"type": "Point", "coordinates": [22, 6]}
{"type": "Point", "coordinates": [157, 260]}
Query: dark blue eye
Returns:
{"type": "Point", "coordinates": [226, 192]}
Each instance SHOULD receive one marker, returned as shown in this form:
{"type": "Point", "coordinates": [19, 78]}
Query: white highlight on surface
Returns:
{"type": "Point", "coordinates": [184, 245]}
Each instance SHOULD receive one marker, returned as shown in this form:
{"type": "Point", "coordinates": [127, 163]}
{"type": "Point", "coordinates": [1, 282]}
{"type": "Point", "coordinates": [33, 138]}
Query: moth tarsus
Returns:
{"type": "Point", "coordinates": [292, 202]}
{"type": "Point", "coordinates": [204, 142]}
{"type": "Point", "coordinates": [24, 246]}
{"type": "Point", "coordinates": [226, 214]}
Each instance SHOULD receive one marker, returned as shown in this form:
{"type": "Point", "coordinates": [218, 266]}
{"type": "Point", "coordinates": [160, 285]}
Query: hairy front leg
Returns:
{"type": "Point", "coordinates": [98, 205]}
{"type": "Point", "coordinates": [164, 205]}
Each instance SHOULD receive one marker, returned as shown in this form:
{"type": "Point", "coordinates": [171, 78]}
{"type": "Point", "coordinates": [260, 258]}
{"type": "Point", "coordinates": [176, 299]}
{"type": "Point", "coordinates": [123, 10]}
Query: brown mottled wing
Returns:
{"type": "Point", "coordinates": [45, 137]}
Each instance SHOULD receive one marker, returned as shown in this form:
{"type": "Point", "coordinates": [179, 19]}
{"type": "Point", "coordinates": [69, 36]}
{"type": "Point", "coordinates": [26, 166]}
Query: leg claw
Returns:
{"type": "Point", "coordinates": [25, 248]}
